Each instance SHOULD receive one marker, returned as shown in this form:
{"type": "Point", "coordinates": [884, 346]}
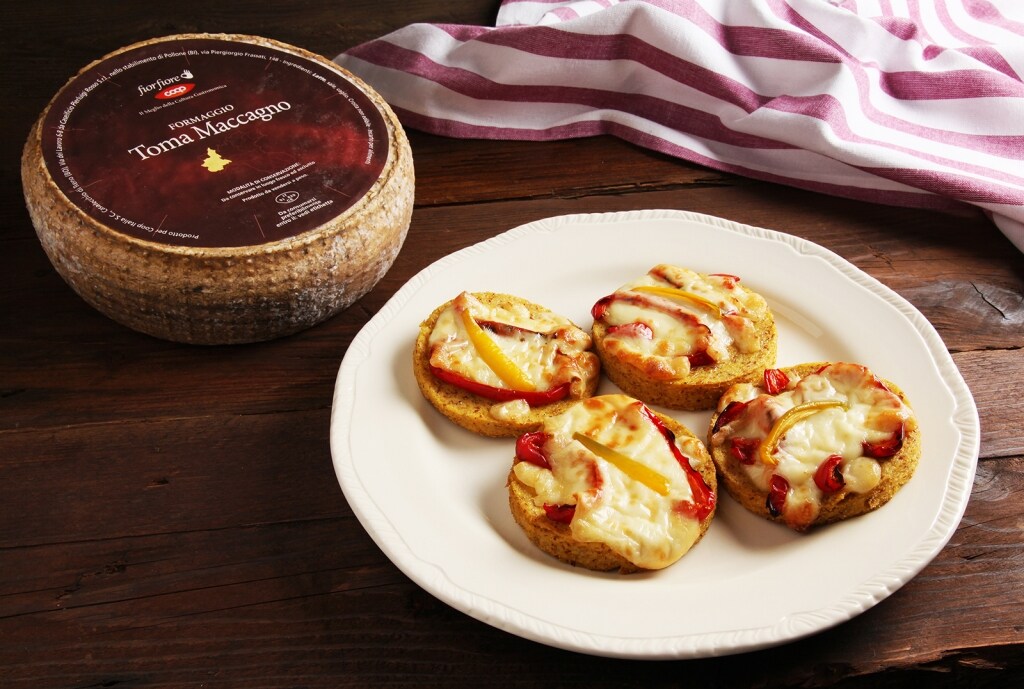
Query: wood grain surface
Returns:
{"type": "Point", "coordinates": [169, 515]}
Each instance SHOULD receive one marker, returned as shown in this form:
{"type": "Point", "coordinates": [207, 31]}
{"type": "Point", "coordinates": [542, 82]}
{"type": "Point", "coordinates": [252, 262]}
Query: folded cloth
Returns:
{"type": "Point", "coordinates": [903, 102]}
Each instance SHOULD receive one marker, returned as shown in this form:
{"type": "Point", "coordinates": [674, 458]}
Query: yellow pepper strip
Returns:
{"type": "Point", "coordinates": [680, 294]}
{"type": "Point", "coordinates": [503, 367]}
{"type": "Point", "coordinates": [789, 419]}
{"type": "Point", "coordinates": [630, 467]}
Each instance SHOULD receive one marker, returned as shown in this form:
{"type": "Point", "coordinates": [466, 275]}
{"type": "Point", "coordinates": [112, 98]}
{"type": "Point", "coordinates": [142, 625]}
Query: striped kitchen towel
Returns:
{"type": "Point", "coordinates": [906, 102]}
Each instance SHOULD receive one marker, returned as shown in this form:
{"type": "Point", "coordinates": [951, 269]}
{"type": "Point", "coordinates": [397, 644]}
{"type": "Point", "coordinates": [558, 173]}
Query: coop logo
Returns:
{"type": "Point", "coordinates": [174, 91]}
{"type": "Point", "coordinates": [166, 89]}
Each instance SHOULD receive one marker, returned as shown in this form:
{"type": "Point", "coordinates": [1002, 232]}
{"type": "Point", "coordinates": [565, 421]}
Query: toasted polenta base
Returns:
{"type": "Point", "coordinates": [702, 387]}
{"type": "Point", "coordinates": [473, 412]}
{"type": "Point", "coordinates": [556, 539]}
{"type": "Point", "coordinates": [843, 504]}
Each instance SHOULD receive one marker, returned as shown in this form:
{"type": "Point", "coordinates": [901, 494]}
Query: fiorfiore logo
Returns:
{"type": "Point", "coordinates": [166, 89]}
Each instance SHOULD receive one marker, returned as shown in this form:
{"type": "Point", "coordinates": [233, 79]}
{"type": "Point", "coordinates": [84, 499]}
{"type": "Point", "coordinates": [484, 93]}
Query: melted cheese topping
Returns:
{"type": "Point", "coordinates": [682, 327]}
{"type": "Point", "coordinates": [548, 348]}
{"type": "Point", "coordinates": [513, 411]}
{"type": "Point", "coordinates": [871, 413]}
{"type": "Point", "coordinates": [611, 508]}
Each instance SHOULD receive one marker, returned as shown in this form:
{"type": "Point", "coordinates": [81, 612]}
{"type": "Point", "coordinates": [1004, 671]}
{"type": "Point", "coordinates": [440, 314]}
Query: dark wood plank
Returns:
{"type": "Point", "coordinates": [989, 375]}
{"type": "Point", "coordinates": [169, 516]}
{"type": "Point", "coordinates": [125, 478]}
{"type": "Point", "coordinates": [167, 608]}
{"type": "Point", "coordinates": [457, 171]}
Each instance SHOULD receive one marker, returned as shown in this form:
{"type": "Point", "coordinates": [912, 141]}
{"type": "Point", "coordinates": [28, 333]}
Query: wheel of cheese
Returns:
{"type": "Point", "coordinates": [213, 189]}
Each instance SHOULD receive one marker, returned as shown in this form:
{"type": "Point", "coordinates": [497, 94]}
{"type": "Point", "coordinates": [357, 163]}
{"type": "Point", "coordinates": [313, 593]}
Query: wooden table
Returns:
{"type": "Point", "coordinates": [169, 515]}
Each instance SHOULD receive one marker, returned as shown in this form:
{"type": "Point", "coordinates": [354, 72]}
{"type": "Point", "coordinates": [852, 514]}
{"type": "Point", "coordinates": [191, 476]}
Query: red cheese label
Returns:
{"type": "Point", "coordinates": [213, 143]}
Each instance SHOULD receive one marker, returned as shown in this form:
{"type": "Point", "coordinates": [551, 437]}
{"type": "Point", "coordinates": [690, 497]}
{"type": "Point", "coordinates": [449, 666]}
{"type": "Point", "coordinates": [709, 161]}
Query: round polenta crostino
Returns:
{"type": "Point", "coordinates": [609, 484]}
{"type": "Point", "coordinates": [679, 338]}
{"type": "Point", "coordinates": [552, 352]}
{"type": "Point", "coordinates": [213, 189]}
{"type": "Point", "coordinates": [815, 443]}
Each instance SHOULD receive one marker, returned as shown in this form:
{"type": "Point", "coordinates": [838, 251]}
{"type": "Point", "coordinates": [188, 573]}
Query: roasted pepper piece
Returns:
{"type": "Point", "coordinates": [704, 499]}
{"type": "Point", "coordinates": [632, 468]}
{"type": "Point", "coordinates": [675, 293]}
{"type": "Point", "coordinates": [534, 399]}
{"type": "Point", "coordinates": [792, 417]}
{"type": "Point", "coordinates": [503, 367]}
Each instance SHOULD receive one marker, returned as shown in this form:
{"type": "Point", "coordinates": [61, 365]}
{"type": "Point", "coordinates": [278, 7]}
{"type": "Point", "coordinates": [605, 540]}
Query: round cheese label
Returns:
{"type": "Point", "coordinates": [209, 142]}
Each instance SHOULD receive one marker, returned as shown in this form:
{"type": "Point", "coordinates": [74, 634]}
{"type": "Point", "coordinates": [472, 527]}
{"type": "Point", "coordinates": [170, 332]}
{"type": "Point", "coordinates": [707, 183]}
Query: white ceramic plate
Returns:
{"type": "Point", "coordinates": [433, 496]}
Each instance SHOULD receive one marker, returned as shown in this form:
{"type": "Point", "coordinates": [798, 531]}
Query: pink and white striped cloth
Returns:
{"type": "Point", "coordinates": [904, 102]}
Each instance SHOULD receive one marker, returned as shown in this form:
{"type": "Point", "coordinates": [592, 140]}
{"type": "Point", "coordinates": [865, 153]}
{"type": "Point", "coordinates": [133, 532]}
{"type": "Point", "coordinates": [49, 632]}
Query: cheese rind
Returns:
{"type": "Point", "coordinates": [207, 293]}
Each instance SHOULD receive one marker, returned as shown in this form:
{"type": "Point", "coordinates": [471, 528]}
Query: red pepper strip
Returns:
{"type": "Point", "coordinates": [507, 329]}
{"type": "Point", "coordinates": [701, 358]}
{"type": "Point", "coordinates": [703, 497]}
{"type": "Point", "coordinates": [634, 329]}
{"type": "Point", "coordinates": [601, 306]}
{"type": "Point", "coordinates": [534, 399]}
{"type": "Point", "coordinates": [637, 329]}
{"type": "Point", "coordinates": [530, 448]}
{"type": "Point", "coordinates": [728, 279]}
{"type": "Point", "coordinates": [560, 513]}
{"type": "Point", "coordinates": [829, 476]}
{"type": "Point", "coordinates": [729, 414]}
{"type": "Point", "coordinates": [644, 332]}
{"type": "Point", "coordinates": [775, 381]}
{"type": "Point", "coordinates": [778, 489]}
{"type": "Point", "coordinates": [886, 448]}
{"type": "Point", "coordinates": [744, 449]}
